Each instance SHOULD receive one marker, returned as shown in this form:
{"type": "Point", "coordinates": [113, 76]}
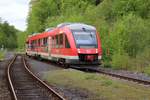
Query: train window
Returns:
{"type": "Point", "coordinates": [45, 41]}
{"type": "Point", "coordinates": [29, 46]}
{"type": "Point", "coordinates": [85, 39]}
{"type": "Point", "coordinates": [33, 44]}
{"type": "Point", "coordinates": [67, 45]}
{"type": "Point", "coordinates": [57, 41]}
{"type": "Point", "coordinates": [53, 42]}
{"type": "Point", "coordinates": [42, 42]}
{"type": "Point", "coordinates": [39, 42]}
{"type": "Point", "coordinates": [61, 40]}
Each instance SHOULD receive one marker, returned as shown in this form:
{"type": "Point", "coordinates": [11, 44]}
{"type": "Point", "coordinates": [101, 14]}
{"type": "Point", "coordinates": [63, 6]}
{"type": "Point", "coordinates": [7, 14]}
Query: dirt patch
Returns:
{"type": "Point", "coordinates": [4, 91]}
{"type": "Point", "coordinates": [74, 93]}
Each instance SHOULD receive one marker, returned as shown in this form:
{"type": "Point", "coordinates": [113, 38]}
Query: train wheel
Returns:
{"type": "Point", "coordinates": [62, 62]}
{"type": "Point", "coordinates": [39, 58]}
{"type": "Point", "coordinates": [66, 65]}
{"type": "Point", "coordinates": [59, 62]}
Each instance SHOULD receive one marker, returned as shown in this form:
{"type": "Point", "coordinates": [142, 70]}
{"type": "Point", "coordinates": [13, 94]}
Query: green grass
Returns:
{"type": "Point", "coordinates": [147, 71]}
{"type": "Point", "coordinates": [2, 53]}
{"type": "Point", "coordinates": [103, 87]}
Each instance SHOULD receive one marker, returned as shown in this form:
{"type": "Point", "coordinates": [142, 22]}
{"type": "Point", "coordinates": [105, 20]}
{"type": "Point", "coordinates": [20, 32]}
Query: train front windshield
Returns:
{"type": "Point", "coordinates": [85, 39]}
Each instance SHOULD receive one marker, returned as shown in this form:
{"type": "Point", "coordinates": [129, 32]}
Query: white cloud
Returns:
{"type": "Point", "coordinates": [15, 12]}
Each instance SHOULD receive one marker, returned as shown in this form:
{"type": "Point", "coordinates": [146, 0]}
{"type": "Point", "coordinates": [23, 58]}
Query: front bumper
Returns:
{"type": "Point", "coordinates": [76, 62]}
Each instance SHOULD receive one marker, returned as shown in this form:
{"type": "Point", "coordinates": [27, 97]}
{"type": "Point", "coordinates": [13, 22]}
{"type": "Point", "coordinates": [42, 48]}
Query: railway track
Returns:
{"type": "Point", "coordinates": [90, 69]}
{"type": "Point", "coordinates": [24, 85]}
{"type": "Point", "coordinates": [96, 70]}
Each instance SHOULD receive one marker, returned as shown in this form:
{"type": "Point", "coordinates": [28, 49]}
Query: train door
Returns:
{"type": "Point", "coordinates": [49, 45]}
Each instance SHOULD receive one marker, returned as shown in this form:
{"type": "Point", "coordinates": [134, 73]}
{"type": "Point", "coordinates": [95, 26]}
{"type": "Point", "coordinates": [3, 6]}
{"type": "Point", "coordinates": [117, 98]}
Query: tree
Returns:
{"type": "Point", "coordinates": [8, 35]}
{"type": "Point", "coordinates": [123, 24]}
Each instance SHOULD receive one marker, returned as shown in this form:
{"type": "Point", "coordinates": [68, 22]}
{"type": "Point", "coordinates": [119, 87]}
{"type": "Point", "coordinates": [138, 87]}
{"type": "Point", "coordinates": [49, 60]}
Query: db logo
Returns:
{"type": "Point", "coordinates": [88, 51]}
{"type": "Point", "coordinates": [57, 51]}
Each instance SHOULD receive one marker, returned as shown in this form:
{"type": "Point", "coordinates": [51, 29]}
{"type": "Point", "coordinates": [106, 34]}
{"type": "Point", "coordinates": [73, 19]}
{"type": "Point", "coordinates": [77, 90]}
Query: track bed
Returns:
{"type": "Point", "coordinates": [27, 87]}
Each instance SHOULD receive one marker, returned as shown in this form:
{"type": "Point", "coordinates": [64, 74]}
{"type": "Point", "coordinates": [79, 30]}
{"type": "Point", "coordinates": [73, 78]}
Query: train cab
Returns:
{"type": "Point", "coordinates": [83, 44]}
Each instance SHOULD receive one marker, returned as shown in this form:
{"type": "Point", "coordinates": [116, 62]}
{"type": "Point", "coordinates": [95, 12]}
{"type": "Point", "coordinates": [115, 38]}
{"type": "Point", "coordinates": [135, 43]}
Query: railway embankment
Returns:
{"type": "Point", "coordinates": [81, 85]}
{"type": "Point", "coordinates": [101, 86]}
{"type": "Point", "coordinates": [132, 74]}
{"type": "Point", "coordinates": [41, 68]}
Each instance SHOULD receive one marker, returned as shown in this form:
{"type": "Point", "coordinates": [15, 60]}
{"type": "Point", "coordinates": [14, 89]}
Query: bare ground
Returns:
{"type": "Point", "coordinates": [4, 91]}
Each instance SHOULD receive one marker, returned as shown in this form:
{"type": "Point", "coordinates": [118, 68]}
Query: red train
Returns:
{"type": "Point", "coordinates": [68, 43]}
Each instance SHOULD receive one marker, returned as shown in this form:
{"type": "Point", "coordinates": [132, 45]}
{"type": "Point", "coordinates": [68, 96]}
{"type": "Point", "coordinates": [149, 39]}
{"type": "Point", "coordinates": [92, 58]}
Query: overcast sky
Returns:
{"type": "Point", "coordinates": [15, 12]}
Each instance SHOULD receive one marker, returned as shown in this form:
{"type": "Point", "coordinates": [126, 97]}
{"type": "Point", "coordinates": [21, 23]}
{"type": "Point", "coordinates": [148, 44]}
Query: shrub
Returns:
{"type": "Point", "coordinates": [120, 61]}
{"type": "Point", "coordinates": [147, 70]}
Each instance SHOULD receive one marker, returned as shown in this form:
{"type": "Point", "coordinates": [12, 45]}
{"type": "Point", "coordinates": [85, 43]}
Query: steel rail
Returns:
{"type": "Point", "coordinates": [110, 74]}
{"type": "Point", "coordinates": [145, 82]}
{"type": "Point", "coordinates": [9, 78]}
{"type": "Point", "coordinates": [43, 83]}
{"type": "Point", "coordinates": [56, 94]}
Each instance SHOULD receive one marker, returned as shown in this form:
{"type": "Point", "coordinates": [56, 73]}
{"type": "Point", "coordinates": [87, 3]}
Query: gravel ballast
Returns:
{"type": "Point", "coordinates": [39, 67]}
{"type": "Point", "coordinates": [131, 74]}
{"type": "Point", "coordinates": [4, 91]}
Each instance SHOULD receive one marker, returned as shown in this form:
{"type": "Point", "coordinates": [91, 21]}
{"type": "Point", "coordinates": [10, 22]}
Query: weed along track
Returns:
{"type": "Point", "coordinates": [121, 76]}
{"type": "Point", "coordinates": [95, 69]}
{"type": "Point", "coordinates": [25, 85]}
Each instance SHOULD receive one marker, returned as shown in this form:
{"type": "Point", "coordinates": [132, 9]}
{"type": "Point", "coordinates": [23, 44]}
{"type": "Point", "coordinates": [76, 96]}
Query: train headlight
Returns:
{"type": "Point", "coordinates": [96, 50]}
{"type": "Point", "coordinates": [78, 50]}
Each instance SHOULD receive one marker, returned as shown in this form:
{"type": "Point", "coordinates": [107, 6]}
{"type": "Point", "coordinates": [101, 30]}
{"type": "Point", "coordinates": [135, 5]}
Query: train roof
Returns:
{"type": "Point", "coordinates": [71, 26]}
{"type": "Point", "coordinates": [77, 26]}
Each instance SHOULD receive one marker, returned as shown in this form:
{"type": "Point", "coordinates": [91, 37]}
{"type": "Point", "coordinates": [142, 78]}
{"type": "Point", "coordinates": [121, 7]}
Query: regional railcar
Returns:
{"type": "Point", "coordinates": [68, 43]}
